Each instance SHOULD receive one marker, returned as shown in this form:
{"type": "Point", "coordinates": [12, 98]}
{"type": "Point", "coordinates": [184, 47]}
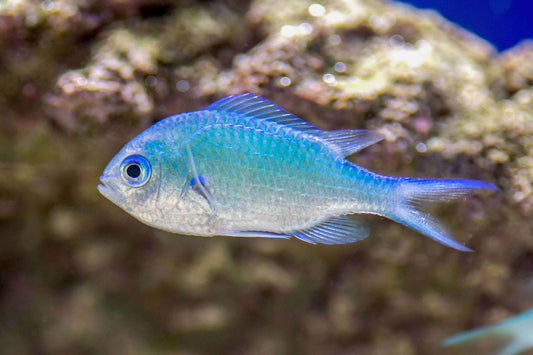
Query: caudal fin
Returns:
{"type": "Point", "coordinates": [413, 193]}
{"type": "Point", "coordinates": [509, 337]}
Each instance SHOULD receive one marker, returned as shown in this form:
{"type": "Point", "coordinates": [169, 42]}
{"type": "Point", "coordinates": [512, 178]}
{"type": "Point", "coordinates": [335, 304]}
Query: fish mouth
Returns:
{"type": "Point", "coordinates": [103, 188]}
{"type": "Point", "coordinates": [110, 191]}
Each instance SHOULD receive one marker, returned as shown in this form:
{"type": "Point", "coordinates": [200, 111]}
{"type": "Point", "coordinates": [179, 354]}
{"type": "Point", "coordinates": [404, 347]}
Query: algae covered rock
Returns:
{"type": "Point", "coordinates": [131, 66]}
{"type": "Point", "coordinates": [80, 78]}
{"type": "Point", "coordinates": [115, 83]}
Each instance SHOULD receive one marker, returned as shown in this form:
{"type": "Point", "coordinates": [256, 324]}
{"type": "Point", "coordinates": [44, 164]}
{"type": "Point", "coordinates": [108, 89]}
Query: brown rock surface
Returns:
{"type": "Point", "coordinates": [78, 79]}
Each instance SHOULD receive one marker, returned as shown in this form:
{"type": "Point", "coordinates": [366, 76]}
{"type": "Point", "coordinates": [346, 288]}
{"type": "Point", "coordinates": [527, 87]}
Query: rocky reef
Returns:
{"type": "Point", "coordinates": [79, 78]}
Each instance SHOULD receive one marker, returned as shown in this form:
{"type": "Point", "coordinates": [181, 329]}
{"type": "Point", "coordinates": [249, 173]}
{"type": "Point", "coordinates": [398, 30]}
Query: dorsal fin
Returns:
{"type": "Point", "coordinates": [349, 141]}
{"type": "Point", "coordinates": [253, 105]}
{"type": "Point", "coordinates": [343, 142]}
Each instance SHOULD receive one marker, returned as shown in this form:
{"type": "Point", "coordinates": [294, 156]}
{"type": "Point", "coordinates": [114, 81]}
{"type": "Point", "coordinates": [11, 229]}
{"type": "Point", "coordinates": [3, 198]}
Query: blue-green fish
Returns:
{"type": "Point", "coordinates": [244, 167]}
{"type": "Point", "coordinates": [513, 335]}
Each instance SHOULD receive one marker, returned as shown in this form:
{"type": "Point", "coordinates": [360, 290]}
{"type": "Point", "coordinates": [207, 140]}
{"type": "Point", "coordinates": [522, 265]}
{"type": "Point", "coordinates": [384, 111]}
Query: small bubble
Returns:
{"type": "Point", "coordinates": [329, 79]}
{"type": "Point", "coordinates": [285, 81]}
{"type": "Point", "coordinates": [396, 41]}
{"type": "Point", "coordinates": [421, 147]}
{"type": "Point", "coordinates": [182, 86]}
{"type": "Point", "coordinates": [47, 5]}
{"type": "Point", "coordinates": [316, 10]}
{"type": "Point", "coordinates": [150, 80]}
{"type": "Point", "coordinates": [288, 31]}
{"type": "Point", "coordinates": [334, 39]}
{"type": "Point", "coordinates": [305, 28]}
{"type": "Point", "coordinates": [340, 67]}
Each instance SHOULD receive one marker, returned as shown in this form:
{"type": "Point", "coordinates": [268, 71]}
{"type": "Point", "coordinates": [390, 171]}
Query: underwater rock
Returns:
{"type": "Point", "coordinates": [128, 69]}
{"type": "Point", "coordinates": [37, 40]}
{"type": "Point", "coordinates": [494, 125]}
{"type": "Point", "coordinates": [114, 84]}
{"type": "Point", "coordinates": [80, 78]}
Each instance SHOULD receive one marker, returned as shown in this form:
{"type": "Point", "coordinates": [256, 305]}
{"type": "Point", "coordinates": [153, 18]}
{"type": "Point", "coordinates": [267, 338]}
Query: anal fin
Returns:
{"type": "Point", "coordinates": [335, 230]}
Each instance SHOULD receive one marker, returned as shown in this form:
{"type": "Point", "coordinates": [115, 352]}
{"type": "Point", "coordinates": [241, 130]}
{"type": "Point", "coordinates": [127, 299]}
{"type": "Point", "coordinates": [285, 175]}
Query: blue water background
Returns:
{"type": "Point", "coordinates": [502, 22]}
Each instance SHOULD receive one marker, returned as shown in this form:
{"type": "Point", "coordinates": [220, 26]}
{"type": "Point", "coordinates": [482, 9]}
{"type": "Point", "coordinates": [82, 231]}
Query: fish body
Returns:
{"type": "Point", "coordinates": [515, 335]}
{"type": "Point", "coordinates": [245, 167]}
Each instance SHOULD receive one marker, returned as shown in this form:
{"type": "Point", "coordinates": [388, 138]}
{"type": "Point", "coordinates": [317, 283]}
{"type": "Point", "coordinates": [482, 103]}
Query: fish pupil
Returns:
{"type": "Point", "coordinates": [133, 171]}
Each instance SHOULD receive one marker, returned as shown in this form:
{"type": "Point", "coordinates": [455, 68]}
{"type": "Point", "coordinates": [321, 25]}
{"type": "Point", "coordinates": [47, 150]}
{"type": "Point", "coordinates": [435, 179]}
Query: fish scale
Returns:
{"type": "Point", "coordinates": [245, 167]}
{"type": "Point", "coordinates": [241, 192]}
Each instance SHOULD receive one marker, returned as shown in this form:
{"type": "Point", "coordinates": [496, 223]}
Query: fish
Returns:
{"type": "Point", "coordinates": [244, 167]}
{"type": "Point", "coordinates": [512, 336]}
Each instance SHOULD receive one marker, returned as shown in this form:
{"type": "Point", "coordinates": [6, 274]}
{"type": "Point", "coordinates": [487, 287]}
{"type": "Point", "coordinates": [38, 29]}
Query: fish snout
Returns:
{"type": "Point", "coordinates": [110, 191]}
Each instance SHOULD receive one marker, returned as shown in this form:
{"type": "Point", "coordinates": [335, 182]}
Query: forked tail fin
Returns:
{"type": "Point", "coordinates": [413, 193]}
{"type": "Point", "coordinates": [511, 336]}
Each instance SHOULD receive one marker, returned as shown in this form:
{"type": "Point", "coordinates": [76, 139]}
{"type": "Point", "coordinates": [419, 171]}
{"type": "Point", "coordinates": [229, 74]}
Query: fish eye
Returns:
{"type": "Point", "coordinates": [135, 170]}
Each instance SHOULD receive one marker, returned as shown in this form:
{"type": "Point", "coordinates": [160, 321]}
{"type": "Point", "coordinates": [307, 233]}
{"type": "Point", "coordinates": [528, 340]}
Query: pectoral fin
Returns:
{"type": "Point", "coordinates": [198, 183]}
